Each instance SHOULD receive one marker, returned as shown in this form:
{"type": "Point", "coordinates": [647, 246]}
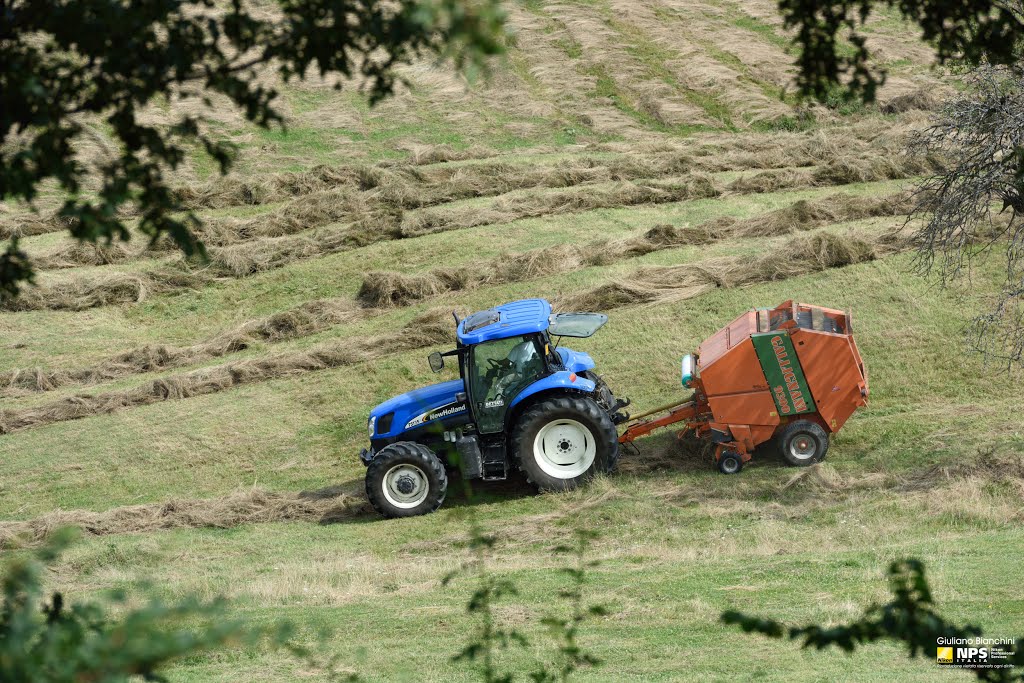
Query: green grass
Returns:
{"type": "Point", "coordinates": [679, 543]}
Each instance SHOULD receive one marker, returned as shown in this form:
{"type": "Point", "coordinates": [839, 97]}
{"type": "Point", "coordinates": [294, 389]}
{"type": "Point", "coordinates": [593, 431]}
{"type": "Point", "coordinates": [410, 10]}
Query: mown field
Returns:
{"type": "Point", "coordinates": [201, 423]}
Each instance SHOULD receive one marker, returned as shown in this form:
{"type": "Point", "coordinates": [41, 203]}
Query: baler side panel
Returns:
{"type": "Point", "coordinates": [753, 408]}
{"type": "Point", "coordinates": [726, 339]}
{"type": "Point", "coordinates": [736, 371]}
{"type": "Point", "coordinates": [832, 368]}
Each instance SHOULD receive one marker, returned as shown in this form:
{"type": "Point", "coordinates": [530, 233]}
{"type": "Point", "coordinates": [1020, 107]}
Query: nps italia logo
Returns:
{"type": "Point", "coordinates": [974, 653]}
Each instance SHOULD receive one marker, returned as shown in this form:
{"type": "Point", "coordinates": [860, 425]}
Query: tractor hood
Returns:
{"type": "Point", "coordinates": [575, 361]}
{"type": "Point", "coordinates": [417, 407]}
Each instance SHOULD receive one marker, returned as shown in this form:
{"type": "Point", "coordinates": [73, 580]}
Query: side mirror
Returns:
{"type": "Point", "coordinates": [436, 361]}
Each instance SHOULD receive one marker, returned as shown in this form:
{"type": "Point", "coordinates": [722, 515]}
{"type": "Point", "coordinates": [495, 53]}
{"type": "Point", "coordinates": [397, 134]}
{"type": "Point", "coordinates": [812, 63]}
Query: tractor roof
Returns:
{"type": "Point", "coordinates": [508, 320]}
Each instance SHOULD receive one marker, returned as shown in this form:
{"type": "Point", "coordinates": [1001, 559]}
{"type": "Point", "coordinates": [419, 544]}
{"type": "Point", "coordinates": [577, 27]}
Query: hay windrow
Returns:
{"type": "Point", "coordinates": [31, 225]}
{"type": "Point", "coordinates": [799, 255]}
{"type": "Point", "coordinates": [385, 289]}
{"type": "Point", "coordinates": [430, 328]}
{"type": "Point", "coordinates": [574, 200]}
{"type": "Point", "coordinates": [415, 187]}
{"type": "Point", "coordinates": [388, 222]}
{"type": "Point", "coordinates": [299, 321]}
{"type": "Point", "coordinates": [85, 254]}
{"type": "Point", "coordinates": [252, 506]}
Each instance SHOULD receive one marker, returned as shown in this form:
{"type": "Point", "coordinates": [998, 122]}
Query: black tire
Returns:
{"type": "Point", "coordinates": [385, 486]}
{"type": "Point", "coordinates": [593, 426]}
{"type": "Point", "coordinates": [802, 443]}
{"type": "Point", "coordinates": [730, 463]}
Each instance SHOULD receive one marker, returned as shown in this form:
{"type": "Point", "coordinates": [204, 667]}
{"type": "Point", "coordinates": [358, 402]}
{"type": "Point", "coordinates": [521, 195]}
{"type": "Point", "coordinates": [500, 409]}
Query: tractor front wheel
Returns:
{"type": "Point", "coordinates": [563, 442]}
{"type": "Point", "coordinates": [405, 479]}
{"type": "Point", "coordinates": [803, 443]}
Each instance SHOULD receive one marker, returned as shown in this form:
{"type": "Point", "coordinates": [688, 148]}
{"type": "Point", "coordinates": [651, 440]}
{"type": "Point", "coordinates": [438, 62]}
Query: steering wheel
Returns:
{"type": "Point", "coordinates": [499, 364]}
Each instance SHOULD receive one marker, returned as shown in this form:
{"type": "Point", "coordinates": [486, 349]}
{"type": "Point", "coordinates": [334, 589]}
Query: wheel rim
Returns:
{"type": "Point", "coordinates": [564, 449]}
{"type": "Point", "coordinates": [802, 447]}
{"type": "Point", "coordinates": [406, 486]}
{"type": "Point", "coordinates": [730, 465]}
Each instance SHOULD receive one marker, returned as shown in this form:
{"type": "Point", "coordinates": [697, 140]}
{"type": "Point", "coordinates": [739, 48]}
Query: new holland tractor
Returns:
{"type": "Point", "coordinates": [521, 401]}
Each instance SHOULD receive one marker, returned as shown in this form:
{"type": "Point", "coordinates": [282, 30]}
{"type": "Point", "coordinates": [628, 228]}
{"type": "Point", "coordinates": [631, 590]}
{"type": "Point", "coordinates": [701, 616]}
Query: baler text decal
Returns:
{"type": "Point", "coordinates": [789, 377]}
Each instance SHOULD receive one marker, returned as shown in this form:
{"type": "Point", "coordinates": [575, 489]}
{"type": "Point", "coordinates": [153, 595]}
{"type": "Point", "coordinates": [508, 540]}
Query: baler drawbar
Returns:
{"type": "Point", "coordinates": [792, 374]}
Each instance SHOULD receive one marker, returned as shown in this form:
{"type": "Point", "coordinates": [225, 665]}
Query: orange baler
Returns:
{"type": "Point", "coordinates": [790, 373]}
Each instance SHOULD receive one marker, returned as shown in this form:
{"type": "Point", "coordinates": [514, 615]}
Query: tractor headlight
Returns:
{"type": "Point", "coordinates": [371, 424]}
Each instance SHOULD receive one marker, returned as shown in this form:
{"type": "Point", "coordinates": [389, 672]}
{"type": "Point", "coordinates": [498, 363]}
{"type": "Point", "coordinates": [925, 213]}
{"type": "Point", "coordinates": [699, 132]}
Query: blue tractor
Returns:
{"type": "Point", "coordinates": [521, 401]}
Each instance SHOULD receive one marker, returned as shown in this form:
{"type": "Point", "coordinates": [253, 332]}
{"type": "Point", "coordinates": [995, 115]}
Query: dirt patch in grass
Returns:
{"type": "Point", "coordinates": [252, 506]}
{"type": "Point", "coordinates": [430, 328]}
{"type": "Point", "coordinates": [385, 289]}
{"type": "Point", "coordinates": [299, 321]}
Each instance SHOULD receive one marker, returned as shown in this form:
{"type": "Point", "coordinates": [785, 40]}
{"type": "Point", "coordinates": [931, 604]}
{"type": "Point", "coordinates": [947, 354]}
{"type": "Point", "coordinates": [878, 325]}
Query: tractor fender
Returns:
{"type": "Point", "coordinates": [563, 380]}
{"type": "Point", "coordinates": [576, 361]}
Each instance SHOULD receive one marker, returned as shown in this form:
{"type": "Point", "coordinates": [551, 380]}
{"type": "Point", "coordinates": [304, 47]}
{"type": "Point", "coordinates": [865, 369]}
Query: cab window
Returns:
{"type": "Point", "coordinates": [503, 367]}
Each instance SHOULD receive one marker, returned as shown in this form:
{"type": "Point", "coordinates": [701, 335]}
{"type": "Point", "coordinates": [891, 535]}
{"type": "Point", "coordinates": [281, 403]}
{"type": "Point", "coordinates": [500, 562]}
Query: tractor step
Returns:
{"type": "Point", "coordinates": [494, 463]}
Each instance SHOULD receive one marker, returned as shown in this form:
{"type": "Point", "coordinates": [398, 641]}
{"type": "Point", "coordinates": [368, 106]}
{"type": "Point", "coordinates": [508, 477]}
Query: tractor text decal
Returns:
{"type": "Point", "coordinates": [789, 377]}
{"type": "Point", "coordinates": [436, 414]}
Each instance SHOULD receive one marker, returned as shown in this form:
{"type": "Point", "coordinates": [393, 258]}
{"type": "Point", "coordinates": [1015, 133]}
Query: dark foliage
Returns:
{"type": "Point", "coordinates": [490, 637]}
{"type": "Point", "coordinates": [962, 30]}
{"type": "Point", "coordinates": [910, 618]}
{"type": "Point", "coordinates": [48, 640]}
{"type": "Point", "coordinates": [64, 66]}
{"type": "Point", "coordinates": [565, 630]}
{"type": "Point", "coordinates": [976, 204]}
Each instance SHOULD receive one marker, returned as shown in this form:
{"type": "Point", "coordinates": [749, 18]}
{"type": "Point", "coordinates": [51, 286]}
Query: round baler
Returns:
{"type": "Point", "coordinates": [791, 374]}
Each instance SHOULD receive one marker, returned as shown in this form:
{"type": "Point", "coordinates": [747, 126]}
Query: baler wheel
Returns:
{"type": "Point", "coordinates": [730, 463]}
{"type": "Point", "coordinates": [802, 443]}
{"type": "Point", "coordinates": [405, 479]}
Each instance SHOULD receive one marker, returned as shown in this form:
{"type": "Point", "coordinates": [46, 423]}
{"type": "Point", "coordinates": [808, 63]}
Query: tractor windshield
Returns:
{"type": "Point", "coordinates": [576, 324]}
{"type": "Point", "coordinates": [500, 369]}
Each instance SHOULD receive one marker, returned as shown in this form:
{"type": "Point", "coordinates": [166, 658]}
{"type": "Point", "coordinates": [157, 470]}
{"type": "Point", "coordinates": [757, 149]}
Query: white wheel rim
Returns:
{"type": "Point", "coordinates": [406, 486]}
{"type": "Point", "coordinates": [802, 447]}
{"type": "Point", "coordinates": [564, 449]}
{"type": "Point", "coordinates": [731, 465]}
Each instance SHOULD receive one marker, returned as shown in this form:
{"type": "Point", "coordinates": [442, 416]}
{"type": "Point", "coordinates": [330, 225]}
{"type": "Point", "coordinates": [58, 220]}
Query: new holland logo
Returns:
{"type": "Point", "coordinates": [436, 414]}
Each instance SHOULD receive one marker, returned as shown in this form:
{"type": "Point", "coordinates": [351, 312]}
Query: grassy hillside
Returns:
{"type": "Point", "coordinates": [202, 424]}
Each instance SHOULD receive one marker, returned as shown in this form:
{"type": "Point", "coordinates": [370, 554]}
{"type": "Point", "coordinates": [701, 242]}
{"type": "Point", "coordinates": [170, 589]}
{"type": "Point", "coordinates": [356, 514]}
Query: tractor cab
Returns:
{"type": "Point", "coordinates": [504, 351]}
{"type": "Point", "coordinates": [508, 366]}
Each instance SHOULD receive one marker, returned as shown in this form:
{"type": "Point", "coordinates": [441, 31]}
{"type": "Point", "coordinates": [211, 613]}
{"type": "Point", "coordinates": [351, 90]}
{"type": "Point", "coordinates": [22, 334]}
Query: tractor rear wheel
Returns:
{"type": "Point", "coordinates": [405, 479]}
{"type": "Point", "coordinates": [563, 442]}
{"type": "Point", "coordinates": [802, 443]}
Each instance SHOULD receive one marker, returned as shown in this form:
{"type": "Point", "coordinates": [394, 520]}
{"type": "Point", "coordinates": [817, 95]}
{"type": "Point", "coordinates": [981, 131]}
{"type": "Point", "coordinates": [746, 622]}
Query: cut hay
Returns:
{"type": "Point", "coordinates": [252, 506]}
{"type": "Point", "coordinates": [303, 320]}
{"type": "Point", "coordinates": [800, 255]}
{"type": "Point", "coordinates": [431, 328]}
{"type": "Point", "coordinates": [386, 289]}
{"type": "Point", "coordinates": [31, 225]}
{"type": "Point", "coordinates": [573, 200]}
{"type": "Point", "coordinates": [917, 100]}
{"type": "Point", "coordinates": [81, 294]}
{"type": "Point", "coordinates": [84, 254]}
